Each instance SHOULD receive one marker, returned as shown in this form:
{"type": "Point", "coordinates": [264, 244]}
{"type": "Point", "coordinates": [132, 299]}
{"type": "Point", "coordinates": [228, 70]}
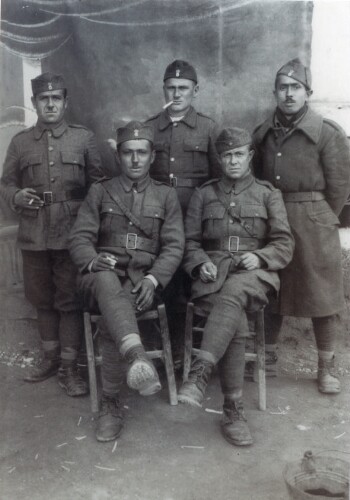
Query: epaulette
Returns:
{"type": "Point", "coordinates": [334, 125]}
{"type": "Point", "coordinates": [205, 116]}
{"type": "Point", "coordinates": [153, 117]}
{"type": "Point", "coordinates": [24, 131]}
{"type": "Point", "coordinates": [207, 183]}
{"type": "Point", "coordinates": [75, 125]}
{"type": "Point", "coordinates": [265, 183]}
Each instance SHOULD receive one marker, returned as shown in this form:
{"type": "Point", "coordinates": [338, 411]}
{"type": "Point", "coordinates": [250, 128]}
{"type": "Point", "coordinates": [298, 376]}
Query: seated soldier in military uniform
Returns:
{"type": "Point", "coordinates": [127, 241]}
{"type": "Point", "coordinates": [237, 238]}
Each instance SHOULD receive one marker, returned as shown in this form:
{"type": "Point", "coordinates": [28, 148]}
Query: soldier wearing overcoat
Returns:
{"type": "Point", "coordinates": [307, 157]}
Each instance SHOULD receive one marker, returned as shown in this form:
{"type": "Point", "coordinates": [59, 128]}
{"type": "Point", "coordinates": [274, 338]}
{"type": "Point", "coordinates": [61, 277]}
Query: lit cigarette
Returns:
{"type": "Point", "coordinates": [31, 201]}
{"type": "Point", "coordinates": [167, 104]}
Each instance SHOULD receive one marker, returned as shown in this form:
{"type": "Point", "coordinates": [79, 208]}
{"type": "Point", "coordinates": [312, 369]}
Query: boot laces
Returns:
{"type": "Point", "coordinates": [199, 371]}
{"type": "Point", "coordinates": [234, 410]}
{"type": "Point", "coordinates": [111, 405]}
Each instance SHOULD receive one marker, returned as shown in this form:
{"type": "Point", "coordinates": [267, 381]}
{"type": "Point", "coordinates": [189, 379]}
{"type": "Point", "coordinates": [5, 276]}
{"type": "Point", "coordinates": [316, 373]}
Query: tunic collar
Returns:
{"type": "Point", "coordinates": [236, 186]}
{"type": "Point", "coordinates": [127, 183]}
{"type": "Point", "coordinates": [57, 130]}
{"type": "Point", "coordinates": [190, 119]}
{"type": "Point", "coordinates": [310, 125]}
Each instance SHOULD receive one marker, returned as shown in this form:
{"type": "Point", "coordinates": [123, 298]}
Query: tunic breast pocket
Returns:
{"type": "Point", "coordinates": [212, 221]}
{"type": "Point", "coordinates": [74, 166]}
{"type": "Point", "coordinates": [255, 220]}
{"type": "Point", "coordinates": [153, 217]}
{"type": "Point", "coordinates": [30, 166]}
{"type": "Point", "coordinates": [112, 219]}
{"type": "Point", "coordinates": [162, 150]}
{"type": "Point", "coordinates": [198, 150]}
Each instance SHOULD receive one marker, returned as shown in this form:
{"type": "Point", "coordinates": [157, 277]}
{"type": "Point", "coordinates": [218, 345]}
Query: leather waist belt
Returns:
{"type": "Point", "coordinates": [49, 197]}
{"type": "Point", "coordinates": [303, 196]}
{"type": "Point", "coordinates": [130, 241]}
{"type": "Point", "coordinates": [175, 181]}
{"type": "Point", "coordinates": [233, 244]}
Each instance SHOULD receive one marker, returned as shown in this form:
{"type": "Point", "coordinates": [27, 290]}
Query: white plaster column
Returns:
{"type": "Point", "coordinates": [31, 69]}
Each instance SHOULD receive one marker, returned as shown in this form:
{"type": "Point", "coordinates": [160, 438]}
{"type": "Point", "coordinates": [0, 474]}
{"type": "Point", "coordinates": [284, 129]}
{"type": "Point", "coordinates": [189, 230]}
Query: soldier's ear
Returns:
{"type": "Point", "coordinates": [195, 90]}
{"type": "Point", "coordinates": [251, 154]}
{"type": "Point", "coordinates": [309, 93]}
{"type": "Point", "coordinates": [153, 155]}
{"type": "Point", "coordinates": [33, 101]}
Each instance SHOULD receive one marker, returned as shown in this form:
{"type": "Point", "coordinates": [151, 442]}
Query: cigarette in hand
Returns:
{"type": "Point", "coordinates": [167, 104]}
{"type": "Point", "coordinates": [30, 201]}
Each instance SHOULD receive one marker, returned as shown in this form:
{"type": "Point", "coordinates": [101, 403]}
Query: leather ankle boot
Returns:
{"type": "Point", "coordinates": [70, 380]}
{"type": "Point", "coordinates": [327, 381]}
{"type": "Point", "coordinates": [44, 369]}
{"type": "Point", "coordinates": [192, 391]}
{"type": "Point", "coordinates": [110, 420]}
{"type": "Point", "coordinates": [234, 425]}
{"type": "Point", "coordinates": [142, 375]}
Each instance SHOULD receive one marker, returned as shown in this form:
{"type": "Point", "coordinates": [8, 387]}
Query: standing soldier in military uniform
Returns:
{"type": "Point", "coordinates": [184, 141]}
{"type": "Point", "coordinates": [237, 238]}
{"type": "Point", "coordinates": [47, 171]}
{"type": "Point", "coordinates": [307, 158]}
{"type": "Point", "coordinates": [127, 241]}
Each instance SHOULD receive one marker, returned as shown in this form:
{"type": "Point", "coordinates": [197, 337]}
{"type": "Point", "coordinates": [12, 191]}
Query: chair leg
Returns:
{"type": "Point", "coordinates": [167, 355]}
{"type": "Point", "coordinates": [188, 340]}
{"type": "Point", "coordinates": [260, 351]}
{"type": "Point", "coordinates": [91, 363]}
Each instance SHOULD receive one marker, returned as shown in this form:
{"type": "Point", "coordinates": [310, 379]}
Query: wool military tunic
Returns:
{"type": "Point", "coordinates": [311, 166]}
{"type": "Point", "coordinates": [58, 162]}
{"type": "Point", "coordinates": [185, 152]}
{"type": "Point", "coordinates": [226, 220]}
{"type": "Point", "coordinates": [156, 248]}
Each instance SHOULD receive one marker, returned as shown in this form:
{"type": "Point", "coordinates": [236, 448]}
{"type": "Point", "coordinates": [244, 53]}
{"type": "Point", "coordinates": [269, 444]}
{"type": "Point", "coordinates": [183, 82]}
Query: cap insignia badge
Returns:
{"type": "Point", "coordinates": [136, 132]}
{"type": "Point", "coordinates": [290, 72]}
{"type": "Point", "coordinates": [49, 86]}
{"type": "Point", "coordinates": [177, 73]}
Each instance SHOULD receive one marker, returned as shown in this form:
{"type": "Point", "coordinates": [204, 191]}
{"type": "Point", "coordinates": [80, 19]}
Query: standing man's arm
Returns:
{"type": "Point", "coordinates": [215, 167]}
{"type": "Point", "coordinates": [10, 180]}
{"type": "Point", "coordinates": [335, 159]}
{"type": "Point", "coordinates": [93, 160]}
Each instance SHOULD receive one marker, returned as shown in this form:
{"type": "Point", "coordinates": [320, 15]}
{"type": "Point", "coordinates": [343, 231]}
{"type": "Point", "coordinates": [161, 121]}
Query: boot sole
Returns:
{"type": "Point", "coordinates": [248, 442]}
{"type": "Point", "coordinates": [187, 400]}
{"type": "Point", "coordinates": [323, 390]}
{"type": "Point", "coordinates": [143, 378]}
{"type": "Point", "coordinates": [102, 439]}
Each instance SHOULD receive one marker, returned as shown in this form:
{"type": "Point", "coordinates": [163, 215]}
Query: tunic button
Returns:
{"type": "Point", "coordinates": [130, 223]}
{"type": "Point", "coordinates": [278, 177]}
{"type": "Point", "coordinates": [156, 215]}
{"type": "Point", "coordinates": [197, 147]}
{"type": "Point", "coordinates": [232, 204]}
{"type": "Point", "coordinates": [175, 124]}
{"type": "Point", "coordinates": [52, 179]}
{"type": "Point", "coordinates": [75, 161]}
{"type": "Point", "coordinates": [50, 148]}
{"type": "Point", "coordinates": [279, 154]}
{"type": "Point", "coordinates": [51, 163]}
{"type": "Point", "coordinates": [172, 159]}
{"type": "Point", "coordinates": [110, 209]}
{"type": "Point", "coordinates": [231, 221]}
{"type": "Point", "coordinates": [49, 134]}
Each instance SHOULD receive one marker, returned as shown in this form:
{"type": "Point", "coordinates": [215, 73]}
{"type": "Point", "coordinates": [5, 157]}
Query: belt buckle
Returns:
{"type": "Point", "coordinates": [173, 180]}
{"type": "Point", "coordinates": [48, 197]}
{"type": "Point", "coordinates": [131, 241]}
{"type": "Point", "coordinates": [236, 240]}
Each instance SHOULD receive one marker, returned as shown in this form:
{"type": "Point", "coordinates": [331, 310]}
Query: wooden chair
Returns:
{"type": "Point", "coordinates": [94, 358]}
{"type": "Point", "coordinates": [258, 335]}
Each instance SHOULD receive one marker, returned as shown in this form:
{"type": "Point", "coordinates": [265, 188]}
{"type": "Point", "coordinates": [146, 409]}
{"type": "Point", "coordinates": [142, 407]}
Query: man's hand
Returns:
{"type": "Point", "coordinates": [26, 198]}
{"type": "Point", "coordinates": [208, 272]}
{"type": "Point", "coordinates": [104, 262]}
{"type": "Point", "coordinates": [250, 261]}
{"type": "Point", "coordinates": [145, 289]}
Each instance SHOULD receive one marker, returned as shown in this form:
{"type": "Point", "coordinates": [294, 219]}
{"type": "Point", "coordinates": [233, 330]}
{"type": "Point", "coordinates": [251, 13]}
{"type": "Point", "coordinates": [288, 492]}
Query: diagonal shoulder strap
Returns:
{"type": "Point", "coordinates": [126, 211]}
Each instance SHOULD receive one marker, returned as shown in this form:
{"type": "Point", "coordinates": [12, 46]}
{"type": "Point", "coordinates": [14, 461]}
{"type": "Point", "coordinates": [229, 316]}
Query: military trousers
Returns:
{"type": "Point", "coordinates": [50, 286]}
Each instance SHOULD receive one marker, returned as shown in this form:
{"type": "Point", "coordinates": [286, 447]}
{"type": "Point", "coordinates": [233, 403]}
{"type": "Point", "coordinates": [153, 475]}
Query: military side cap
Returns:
{"type": "Point", "coordinates": [180, 69]}
{"type": "Point", "coordinates": [296, 70]}
{"type": "Point", "coordinates": [231, 138]}
{"type": "Point", "coordinates": [134, 130]}
{"type": "Point", "coordinates": [47, 81]}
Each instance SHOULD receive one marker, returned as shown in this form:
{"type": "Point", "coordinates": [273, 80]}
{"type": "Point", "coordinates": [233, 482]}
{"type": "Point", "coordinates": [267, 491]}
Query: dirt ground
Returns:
{"type": "Point", "coordinates": [49, 450]}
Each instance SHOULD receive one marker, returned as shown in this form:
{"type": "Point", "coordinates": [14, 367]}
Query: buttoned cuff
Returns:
{"type": "Point", "coordinates": [153, 279]}
{"type": "Point", "coordinates": [89, 267]}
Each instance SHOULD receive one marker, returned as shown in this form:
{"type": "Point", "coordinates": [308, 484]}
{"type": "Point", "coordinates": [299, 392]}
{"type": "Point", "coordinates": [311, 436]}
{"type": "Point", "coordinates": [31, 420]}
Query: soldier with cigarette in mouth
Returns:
{"type": "Point", "coordinates": [47, 171]}
{"type": "Point", "coordinates": [184, 141]}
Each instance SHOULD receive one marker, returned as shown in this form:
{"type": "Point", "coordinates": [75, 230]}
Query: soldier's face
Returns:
{"type": "Point", "coordinates": [235, 163]}
{"type": "Point", "coordinates": [290, 95]}
{"type": "Point", "coordinates": [50, 106]}
{"type": "Point", "coordinates": [182, 92]}
{"type": "Point", "coordinates": [135, 158]}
